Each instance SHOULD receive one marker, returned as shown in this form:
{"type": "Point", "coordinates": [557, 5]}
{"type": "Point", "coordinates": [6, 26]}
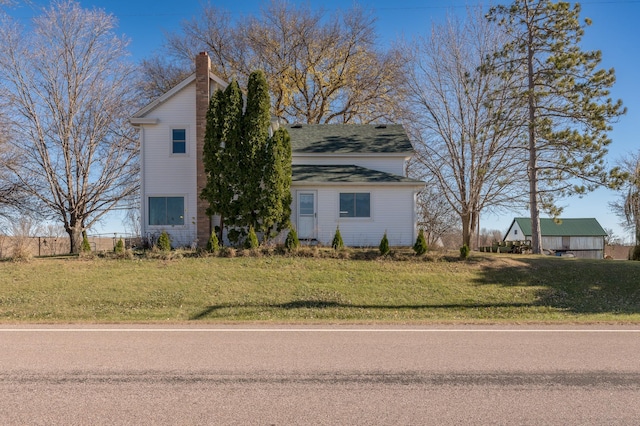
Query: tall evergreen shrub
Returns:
{"type": "Point", "coordinates": [337, 243]}
{"type": "Point", "coordinates": [420, 246]}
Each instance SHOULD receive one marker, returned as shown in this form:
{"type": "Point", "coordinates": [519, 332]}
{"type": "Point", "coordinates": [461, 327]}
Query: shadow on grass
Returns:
{"type": "Point", "coordinates": [581, 286]}
{"type": "Point", "coordinates": [325, 304]}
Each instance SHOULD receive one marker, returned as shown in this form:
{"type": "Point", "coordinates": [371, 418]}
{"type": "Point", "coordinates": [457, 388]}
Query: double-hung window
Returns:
{"type": "Point", "coordinates": [166, 210]}
{"type": "Point", "coordinates": [355, 204]}
{"type": "Point", "coordinates": [178, 141]}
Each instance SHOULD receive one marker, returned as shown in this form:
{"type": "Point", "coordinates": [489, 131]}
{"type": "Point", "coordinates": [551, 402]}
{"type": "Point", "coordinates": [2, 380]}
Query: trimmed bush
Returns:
{"type": "Point", "coordinates": [251, 242]}
{"type": "Point", "coordinates": [292, 242]}
{"type": "Point", "coordinates": [420, 246]}
{"type": "Point", "coordinates": [464, 251]}
{"type": "Point", "coordinates": [164, 242]}
{"type": "Point", "coordinates": [337, 243]}
{"type": "Point", "coordinates": [384, 245]}
{"type": "Point", "coordinates": [86, 247]}
{"type": "Point", "coordinates": [119, 248]}
{"type": "Point", "coordinates": [213, 245]}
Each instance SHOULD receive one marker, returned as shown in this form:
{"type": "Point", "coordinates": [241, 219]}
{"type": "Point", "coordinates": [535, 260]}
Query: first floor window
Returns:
{"type": "Point", "coordinates": [179, 141]}
{"type": "Point", "coordinates": [166, 210]}
{"type": "Point", "coordinates": [355, 204]}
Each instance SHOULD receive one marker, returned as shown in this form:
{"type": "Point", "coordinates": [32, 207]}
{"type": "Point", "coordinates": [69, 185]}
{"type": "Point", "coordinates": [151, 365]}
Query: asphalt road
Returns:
{"type": "Point", "coordinates": [326, 375]}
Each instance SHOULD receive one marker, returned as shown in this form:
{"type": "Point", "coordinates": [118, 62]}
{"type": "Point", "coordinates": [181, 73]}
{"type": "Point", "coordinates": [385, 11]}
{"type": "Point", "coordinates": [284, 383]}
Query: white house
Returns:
{"type": "Point", "coordinates": [347, 176]}
{"type": "Point", "coordinates": [583, 237]}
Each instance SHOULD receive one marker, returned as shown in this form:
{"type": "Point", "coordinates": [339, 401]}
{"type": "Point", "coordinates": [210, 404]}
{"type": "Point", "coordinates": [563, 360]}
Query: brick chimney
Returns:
{"type": "Point", "coordinates": [203, 92]}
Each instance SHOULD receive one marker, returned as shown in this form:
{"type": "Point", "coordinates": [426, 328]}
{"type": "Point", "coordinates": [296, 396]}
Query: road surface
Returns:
{"type": "Point", "coordinates": [321, 375]}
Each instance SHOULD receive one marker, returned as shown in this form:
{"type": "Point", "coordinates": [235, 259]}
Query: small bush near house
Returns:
{"type": "Point", "coordinates": [337, 243]}
{"type": "Point", "coordinates": [292, 242]}
{"type": "Point", "coordinates": [384, 245]}
{"type": "Point", "coordinates": [213, 245]}
{"type": "Point", "coordinates": [420, 246]}
{"type": "Point", "coordinates": [164, 242]}
{"type": "Point", "coordinates": [464, 251]}
{"type": "Point", "coordinates": [251, 242]}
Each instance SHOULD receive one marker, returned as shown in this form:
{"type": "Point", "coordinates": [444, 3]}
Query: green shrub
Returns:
{"type": "Point", "coordinates": [86, 247]}
{"type": "Point", "coordinates": [635, 253]}
{"type": "Point", "coordinates": [292, 242]}
{"type": "Point", "coordinates": [337, 243]}
{"type": "Point", "coordinates": [464, 251]}
{"type": "Point", "coordinates": [164, 242]}
{"type": "Point", "coordinates": [420, 246]}
{"type": "Point", "coordinates": [251, 242]}
{"type": "Point", "coordinates": [213, 245]}
{"type": "Point", "coordinates": [119, 247]}
{"type": "Point", "coordinates": [384, 245]}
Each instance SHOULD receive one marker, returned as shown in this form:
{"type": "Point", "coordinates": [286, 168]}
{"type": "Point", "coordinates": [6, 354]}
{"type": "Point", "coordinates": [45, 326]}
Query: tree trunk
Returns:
{"type": "Point", "coordinates": [536, 238]}
{"type": "Point", "coordinates": [75, 239]}
{"type": "Point", "coordinates": [467, 229]}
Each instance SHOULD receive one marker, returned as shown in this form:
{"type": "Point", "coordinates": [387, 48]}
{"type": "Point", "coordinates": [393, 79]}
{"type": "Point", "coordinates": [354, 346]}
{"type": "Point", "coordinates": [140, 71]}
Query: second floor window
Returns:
{"type": "Point", "coordinates": [178, 141]}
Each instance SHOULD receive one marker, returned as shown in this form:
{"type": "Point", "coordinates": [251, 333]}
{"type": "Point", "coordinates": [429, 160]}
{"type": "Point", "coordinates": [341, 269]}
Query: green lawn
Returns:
{"type": "Point", "coordinates": [485, 288]}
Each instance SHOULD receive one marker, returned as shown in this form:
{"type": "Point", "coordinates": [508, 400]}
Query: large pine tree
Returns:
{"type": "Point", "coordinates": [223, 138]}
{"type": "Point", "coordinates": [564, 98]}
{"type": "Point", "coordinates": [248, 172]}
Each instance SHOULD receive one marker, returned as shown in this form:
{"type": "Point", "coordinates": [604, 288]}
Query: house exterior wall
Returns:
{"type": "Point", "coordinates": [389, 164]}
{"type": "Point", "coordinates": [167, 174]}
{"type": "Point", "coordinates": [392, 210]}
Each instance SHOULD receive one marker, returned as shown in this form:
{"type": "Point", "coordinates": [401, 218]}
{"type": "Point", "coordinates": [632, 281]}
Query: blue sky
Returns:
{"type": "Point", "coordinates": [614, 32]}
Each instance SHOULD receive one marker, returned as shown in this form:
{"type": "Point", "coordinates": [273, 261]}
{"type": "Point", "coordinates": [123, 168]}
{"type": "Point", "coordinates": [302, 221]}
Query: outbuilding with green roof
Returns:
{"type": "Point", "coordinates": [582, 237]}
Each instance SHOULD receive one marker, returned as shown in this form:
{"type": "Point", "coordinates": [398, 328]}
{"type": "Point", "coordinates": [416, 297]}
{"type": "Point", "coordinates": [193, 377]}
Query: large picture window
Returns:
{"type": "Point", "coordinates": [179, 141]}
{"type": "Point", "coordinates": [166, 210]}
{"type": "Point", "coordinates": [355, 204]}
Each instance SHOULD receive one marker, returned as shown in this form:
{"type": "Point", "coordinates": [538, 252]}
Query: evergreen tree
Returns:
{"type": "Point", "coordinates": [337, 243]}
{"type": "Point", "coordinates": [420, 246]}
{"type": "Point", "coordinates": [251, 242]}
{"type": "Point", "coordinates": [276, 183]}
{"type": "Point", "coordinates": [384, 245]}
{"type": "Point", "coordinates": [564, 101]}
{"type": "Point", "coordinates": [292, 242]}
{"type": "Point", "coordinates": [221, 158]}
{"type": "Point", "coordinates": [164, 242]}
{"type": "Point", "coordinates": [213, 244]}
{"type": "Point", "coordinates": [253, 152]}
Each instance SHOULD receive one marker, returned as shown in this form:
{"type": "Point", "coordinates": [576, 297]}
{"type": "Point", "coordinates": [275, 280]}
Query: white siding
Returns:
{"type": "Point", "coordinates": [166, 174]}
{"type": "Point", "coordinates": [394, 165]}
{"type": "Point", "coordinates": [392, 210]}
{"type": "Point", "coordinates": [515, 233]}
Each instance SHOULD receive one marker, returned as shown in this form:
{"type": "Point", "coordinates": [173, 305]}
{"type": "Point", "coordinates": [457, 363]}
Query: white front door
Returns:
{"type": "Point", "coordinates": [307, 215]}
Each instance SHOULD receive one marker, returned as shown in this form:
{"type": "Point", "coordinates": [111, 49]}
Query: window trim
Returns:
{"type": "Point", "coordinates": [355, 211]}
{"type": "Point", "coordinates": [184, 211]}
{"type": "Point", "coordinates": [172, 141]}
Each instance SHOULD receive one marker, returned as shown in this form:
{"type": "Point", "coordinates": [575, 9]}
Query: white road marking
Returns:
{"type": "Point", "coordinates": [308, 330]}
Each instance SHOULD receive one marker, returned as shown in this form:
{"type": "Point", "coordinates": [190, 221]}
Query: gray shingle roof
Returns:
{"type": "Point", "coordinates": [345, 174]}
{"type": "Point", "coordinates": [349, 139]}
{"type": "Point", "coordinates": [581, 227]}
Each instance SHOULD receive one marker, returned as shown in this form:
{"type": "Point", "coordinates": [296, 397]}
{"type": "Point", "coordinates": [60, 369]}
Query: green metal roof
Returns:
{"type": "Point", "coordinates": [345, 174]}
{"type": "Point", "coordinates": [348, 139]}
{"type": "Point", "coordinates": [586, 227]}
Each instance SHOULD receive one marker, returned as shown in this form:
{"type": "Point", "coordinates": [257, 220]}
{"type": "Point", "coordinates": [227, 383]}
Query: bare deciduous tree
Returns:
{"type": "Point", "coordinates": [69, 85]}
{"type": "Point", "coordinates": [320, 69]}
{"type": "Point", "coordinates": [461, 121]}
{"type": "Point", "coordinates": [628, 206]}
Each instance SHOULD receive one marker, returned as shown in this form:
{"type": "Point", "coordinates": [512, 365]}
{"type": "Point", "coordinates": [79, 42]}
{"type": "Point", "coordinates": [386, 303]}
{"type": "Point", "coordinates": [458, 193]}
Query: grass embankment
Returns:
{"type": "Point", "coordinates": [485, 288]}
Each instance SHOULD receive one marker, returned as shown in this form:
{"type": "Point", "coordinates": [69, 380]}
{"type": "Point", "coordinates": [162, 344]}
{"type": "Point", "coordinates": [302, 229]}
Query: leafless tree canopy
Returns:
{"type": "Point", "coordinates": [628, 206]}
{"type": "Point", "coordinates": [70, 92]}
{"type": "Point", "coordinates": [461, 121]}
{"type": "Point", "coordinates": [320, 68]}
